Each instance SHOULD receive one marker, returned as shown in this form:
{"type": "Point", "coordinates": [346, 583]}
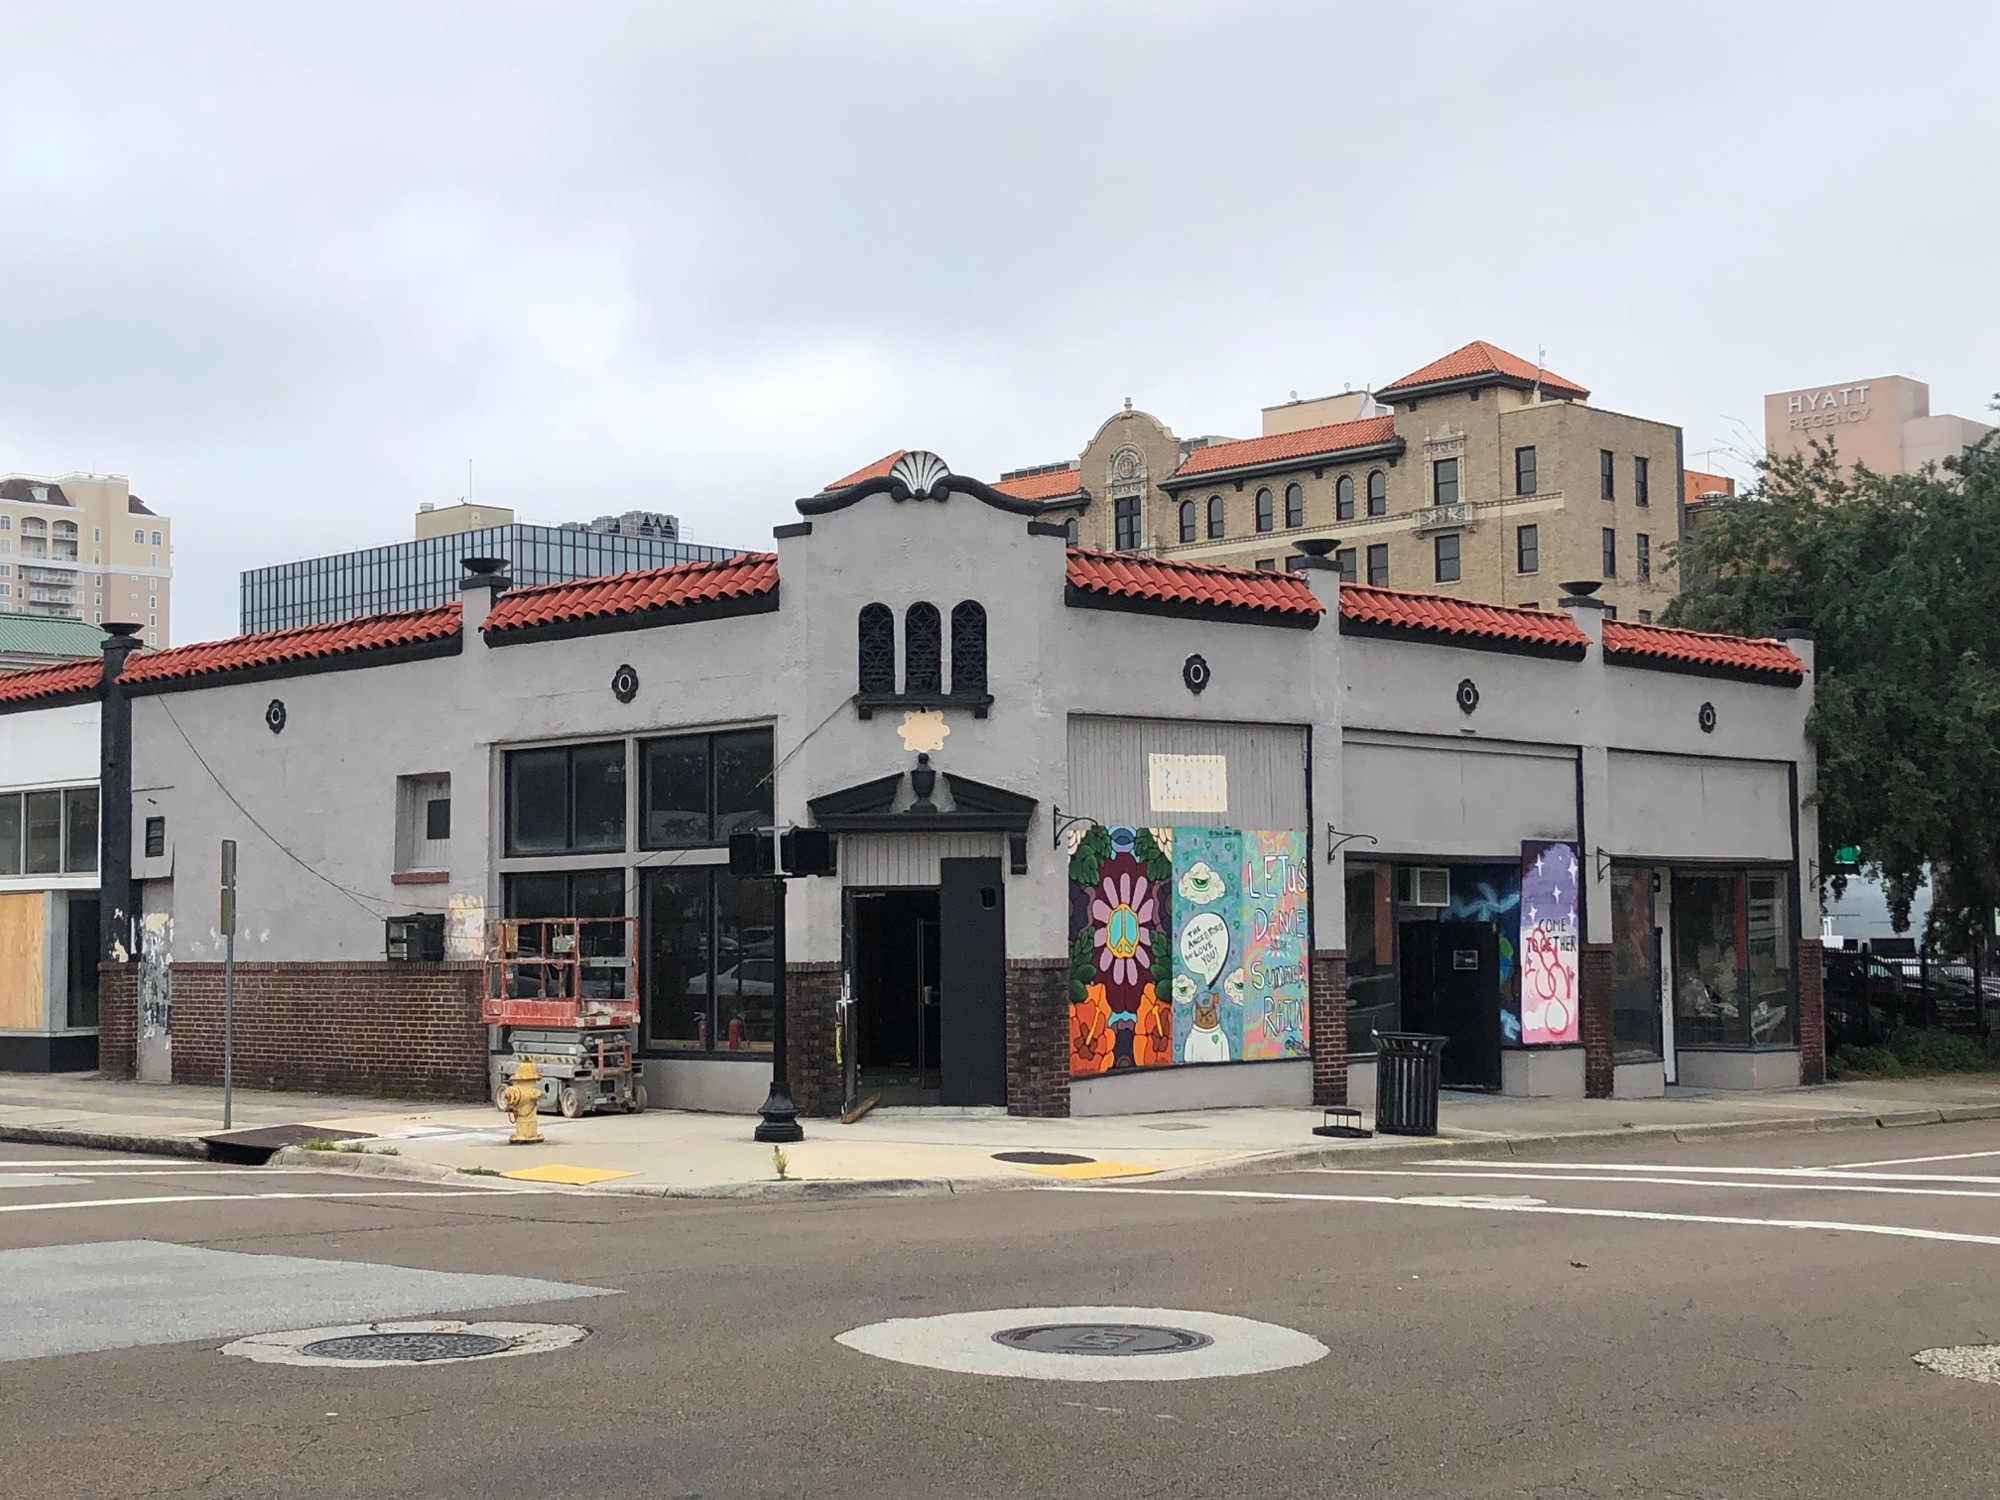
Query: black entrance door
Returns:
{"type": "Point", "coordinates": [972, 975]}
{"type": "Point", "coordinates": [1467, 1006]}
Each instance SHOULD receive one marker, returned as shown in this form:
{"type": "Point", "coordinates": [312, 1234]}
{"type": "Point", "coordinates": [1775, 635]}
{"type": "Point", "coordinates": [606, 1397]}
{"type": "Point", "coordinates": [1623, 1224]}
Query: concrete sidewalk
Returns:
{"type": "Point", "coordinates": [670, 1153]}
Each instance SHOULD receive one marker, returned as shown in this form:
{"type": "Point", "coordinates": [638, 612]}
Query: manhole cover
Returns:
{"type": "Point", "coordinates": [1979, 1362]}
{"type": "Point", "coordinates": [1043, 1158]}
{"type": "Point", "coordinates": [380, 1346]}
{"type": "Point", "coordinates": [410, 1348]}
{"type": "Point", "coordinates": [1102, 1339]}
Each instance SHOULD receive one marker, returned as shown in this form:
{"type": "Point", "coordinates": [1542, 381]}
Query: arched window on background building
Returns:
{"type": "Point", "coordinates": [878, 650]}
{"type": "Point", "coordinates": [1215, 521]}
{"type": "Point", "coordinates": [1343, 498]}
{"type": "Point", "coordinates": [1187, 521]}
{"type": "Point", "coordinates": [923, 649]}
{"type": "Point", "coordinates": [1378, 493]}
{"type": "Point", "coordinates": [968, 648]}
{"type": "Point", "coordinates": [1295, 505]}
{"type": "Point", "coordinates": [1265, 517]}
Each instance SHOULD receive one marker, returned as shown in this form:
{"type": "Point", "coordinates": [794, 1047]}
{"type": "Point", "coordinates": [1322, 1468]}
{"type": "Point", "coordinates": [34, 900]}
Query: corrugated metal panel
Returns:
{"type": "Point", "coordinates": [872, 859]}
{"type": "Point", "coordinates": [1109, 783]}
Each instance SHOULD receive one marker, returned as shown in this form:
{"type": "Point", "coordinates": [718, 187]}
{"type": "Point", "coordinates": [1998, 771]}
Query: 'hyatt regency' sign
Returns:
{"type": "Point", "coordinates": [1831, 408]}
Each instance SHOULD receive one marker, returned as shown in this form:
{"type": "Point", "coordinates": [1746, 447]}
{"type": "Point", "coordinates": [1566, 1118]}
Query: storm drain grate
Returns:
{"type": "Point", "coordinates": [409, 1348]}
{"type": "Point", "coordinates": [1102, 1339]}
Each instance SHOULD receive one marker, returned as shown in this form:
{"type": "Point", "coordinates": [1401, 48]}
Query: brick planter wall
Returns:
{"type": "Point", "coordinates": [1327, 1022]}
{"type": "Point", "coordinates": [1594, 1018]}
{"type": "Point", "coordinates": [1812, 1013]}
{"type": "Point", "coordinates": [406, 1030]}
{"type": "Point", "coordinates": [117, 1020]}
{"type": "Point", "coordinates": [1038, 1037]}
{"type": "Point", "coordinates": [812, 994]}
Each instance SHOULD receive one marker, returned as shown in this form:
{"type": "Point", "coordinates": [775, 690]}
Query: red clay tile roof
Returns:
{"type": "Point", "coordinates": [1057, 484]}
{"type": "Point", "coordinates": [1433, 614]}
{"type": "Point", "coordinates": [1765, 658]}
{"type": "Point", "coordinates": [875, 470]}
{"type": "Point", "coordinates": [633, 593]}
{"type": "Point", "coordinates": [280, 647]}
{"type": "Point", "coordinates": [1307, 442]}
{"type": "Point", "coordinates": [32, 684]}
{"type": "Point", "coordinates": [1481, 358]}
{"type": "Point", "coordinates": [1124, 575]}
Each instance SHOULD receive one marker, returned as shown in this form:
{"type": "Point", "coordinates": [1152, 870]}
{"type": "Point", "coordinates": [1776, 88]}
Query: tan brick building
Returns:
{"type": "Point", "coordinates": [1477, 476]}
{"type": "Point", "coordinates": [84, 547]}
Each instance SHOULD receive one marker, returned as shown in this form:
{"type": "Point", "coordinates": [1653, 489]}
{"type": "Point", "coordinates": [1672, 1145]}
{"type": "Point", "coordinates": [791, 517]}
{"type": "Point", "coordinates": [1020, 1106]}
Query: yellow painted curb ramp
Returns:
{"type": "Point", "coordinates": [1090, 1170]}
{"type": "Point", "coordinates": [568, 1176]}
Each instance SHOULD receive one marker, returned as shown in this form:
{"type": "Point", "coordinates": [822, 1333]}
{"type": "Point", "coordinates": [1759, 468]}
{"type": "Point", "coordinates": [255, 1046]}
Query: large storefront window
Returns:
{"type": "Point", "coordinates": [1374, 997]}
{"type": "Point", "coordinates": [1732, 960]}
{"type": "Point", "coordinates": [566, 799]}
{"type": "Point", "coordinates": [1635, 965]}
{"type": "Point", "coordinates": [700, 788]}
{"type": "Point", "coordinates": [711, 961]}
{"type": "Point", "coordinates": [49, 833]}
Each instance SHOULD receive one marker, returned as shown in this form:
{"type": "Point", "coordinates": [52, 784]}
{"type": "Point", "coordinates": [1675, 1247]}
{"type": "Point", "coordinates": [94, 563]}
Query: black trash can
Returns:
{"type": "Point", "coordinates": [1407, 1071]}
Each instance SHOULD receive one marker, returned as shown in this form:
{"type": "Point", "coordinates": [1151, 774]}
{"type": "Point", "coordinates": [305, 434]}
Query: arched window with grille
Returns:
{"type": "Point", "coordinates": [923, 649]}
{"type": "Point", "coordinates": [968, 648]}
{"type": "Point", "coordinates": [1378, 493]}
{"type": "Point", "coordinates": [1216, 529]}
{"type": "Point", "coordinates": [1187, 521]}
{"type": "Point", "coordinates": [1265, 518]}
{"type": "Point", "coordinates": [878, 650]}
{"type": "Point", "coordinates": [1295, 505]}
{"type": "Point", "coordinates": [1343, 498]}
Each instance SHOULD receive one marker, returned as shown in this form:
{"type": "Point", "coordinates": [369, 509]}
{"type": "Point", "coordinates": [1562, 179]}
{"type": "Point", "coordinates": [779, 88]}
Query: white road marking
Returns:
{"type": "Point", "coordinates": [192, 1163]}
{"type": "Point", "coordinates": [34, 1208]}
{"type": "Point", "coordinates": [1824, 1185]}
{"type": "Point", "coordinates": [1499, 1206]}
{"type": "Point", "coordinates": [1817, 1173]}
{"type": "Point", "coordinates": [39, 1179]}
{"type": "Point", "coordinates": [1911, 1161]}
{"type": "Point", "coordinates": [89, 1169]}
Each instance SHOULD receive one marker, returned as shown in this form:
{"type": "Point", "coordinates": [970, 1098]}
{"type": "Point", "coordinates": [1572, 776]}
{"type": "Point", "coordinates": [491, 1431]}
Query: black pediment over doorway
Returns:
{"type": "Point", "coordinates": [871, 807]}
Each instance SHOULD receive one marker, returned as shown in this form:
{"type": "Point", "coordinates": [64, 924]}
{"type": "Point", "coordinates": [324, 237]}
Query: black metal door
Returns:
{"type": "Point", "coordinates": [972, 978]}
{"type": "Point", "coordinates": [1467, 987]}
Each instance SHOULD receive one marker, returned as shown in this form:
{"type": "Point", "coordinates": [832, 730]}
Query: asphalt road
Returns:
{"type": "Point", "coordinates": [1729, 1320]}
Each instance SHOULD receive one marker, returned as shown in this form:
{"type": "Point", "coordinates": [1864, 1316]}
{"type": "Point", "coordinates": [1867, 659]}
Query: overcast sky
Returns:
{"type": "Point", "coordinates": [290, 266]}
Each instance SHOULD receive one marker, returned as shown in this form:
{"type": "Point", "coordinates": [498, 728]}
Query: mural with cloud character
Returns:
{"type": "Point", "coordinates": [1188, 945]}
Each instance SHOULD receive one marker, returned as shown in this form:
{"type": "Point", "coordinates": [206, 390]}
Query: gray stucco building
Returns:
{"type": "Point", "coordinates": [1114, 833]}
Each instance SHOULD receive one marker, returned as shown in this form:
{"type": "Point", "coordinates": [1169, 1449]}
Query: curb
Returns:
{"type": "Point", "coordinates": [107, 1140]}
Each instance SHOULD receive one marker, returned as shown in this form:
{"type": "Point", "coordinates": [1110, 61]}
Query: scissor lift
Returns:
{"type": "Point", "coordinates": [564, 992]}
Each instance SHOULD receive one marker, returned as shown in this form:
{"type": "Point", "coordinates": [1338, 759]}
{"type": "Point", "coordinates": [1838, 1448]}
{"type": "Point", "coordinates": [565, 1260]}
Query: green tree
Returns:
{"type": "Point", "coordinates": [1899, 580]}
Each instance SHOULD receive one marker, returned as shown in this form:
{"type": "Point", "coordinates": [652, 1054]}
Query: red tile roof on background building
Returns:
{"type": "Point", "coordinates": [1481, 358]}
{"type": "Point", "coordinates": [307, 643]}
{"type": "Point", "coordinates": [743, 577]}
{"type": "Point", "coordinates": [1056, 484]}
{"type": "Point", "coordinates": [1696, 650]}
{"type": "Point", "coordinates": [62, 680]}
{"type": "Point", "coordinates": [1432, 614]}
{"type": "Point", "coordinates": [1307, 442]}
{"type": "Point", "coordinates": [875, 470]}
{"type": "Point", "coordinates": [1125, 575]}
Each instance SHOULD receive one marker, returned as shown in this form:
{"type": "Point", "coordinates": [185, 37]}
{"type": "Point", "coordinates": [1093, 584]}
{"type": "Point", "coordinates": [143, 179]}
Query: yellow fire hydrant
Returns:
{"type": "Point", "coordinates": [520, 1099]}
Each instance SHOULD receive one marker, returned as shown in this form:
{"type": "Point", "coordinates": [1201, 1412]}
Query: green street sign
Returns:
{"type": "Point", "coordinates": [1848, 856]}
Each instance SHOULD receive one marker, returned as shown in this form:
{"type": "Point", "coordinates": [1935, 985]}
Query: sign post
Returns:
{"type": "Point", "coordinates": [228, 925]}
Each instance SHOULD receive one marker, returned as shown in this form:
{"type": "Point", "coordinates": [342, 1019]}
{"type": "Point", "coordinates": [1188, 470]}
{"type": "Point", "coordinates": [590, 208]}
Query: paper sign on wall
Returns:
{"type": "Point", "coordinates": [1188, 783]}
{"type": "Point", "coordinates": [1549, 880]}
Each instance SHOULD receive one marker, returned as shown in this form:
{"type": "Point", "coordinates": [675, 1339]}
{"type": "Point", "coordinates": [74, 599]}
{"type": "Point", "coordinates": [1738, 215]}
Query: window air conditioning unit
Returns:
{"type": "Point", "coordinates": [1426, 885]}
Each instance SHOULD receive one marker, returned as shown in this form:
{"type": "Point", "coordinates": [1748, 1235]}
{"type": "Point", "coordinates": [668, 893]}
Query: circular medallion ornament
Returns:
{"type": "Point", "coordinates": [274, 715]}
{"type": "Point", "coordinates": [1468, 695]}
{"type": "Point", "coordinates": [1706, 718]}
{"type": "Point", "coordinates": [1195, 673]}
{"type": "Point", "coordinates": [625, 683]}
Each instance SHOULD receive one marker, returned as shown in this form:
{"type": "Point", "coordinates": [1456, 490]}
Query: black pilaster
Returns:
{"type": "Point", "coordinates": [114, 799]}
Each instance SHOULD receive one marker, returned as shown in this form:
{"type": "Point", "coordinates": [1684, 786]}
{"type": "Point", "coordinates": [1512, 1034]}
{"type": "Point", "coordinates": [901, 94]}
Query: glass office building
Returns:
{"type": "Point", "coordinates": [426, 573]}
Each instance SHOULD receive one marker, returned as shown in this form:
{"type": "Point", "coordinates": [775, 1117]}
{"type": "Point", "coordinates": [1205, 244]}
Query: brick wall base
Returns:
{"type": "Point", "coordinates": [1812, 1012]}
{"type": "Point", "coordinates": [404, 1030]}
{"type": "Point", "coordinates": [1038, 1037]}
{"type": "Point", "coordinates": [812, 999]}
{"type": "Point", "coordinates": [117, 1020]}
{"type": "Point", "coordinates": [1594, 1019]}
{"type": "Point", "coordinates": [1327, 1023]}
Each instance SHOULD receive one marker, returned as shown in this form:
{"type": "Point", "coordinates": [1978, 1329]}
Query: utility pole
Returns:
{"type": "Point", "coordinates": [228, 982]}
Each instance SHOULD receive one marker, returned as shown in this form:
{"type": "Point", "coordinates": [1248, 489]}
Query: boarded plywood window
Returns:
{"type": "Point", "coordinates": [423, 822]}
{"type": "Point", "coordinates": [1188, 783]}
